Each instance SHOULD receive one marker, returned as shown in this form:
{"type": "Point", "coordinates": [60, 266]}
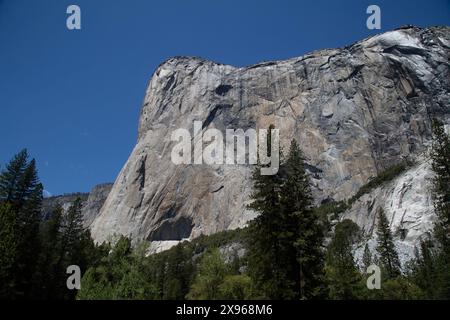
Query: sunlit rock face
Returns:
{"type": "Point", "coordinates": [408, 206]}
{"type": "Point", "coordinates": [354, 111]}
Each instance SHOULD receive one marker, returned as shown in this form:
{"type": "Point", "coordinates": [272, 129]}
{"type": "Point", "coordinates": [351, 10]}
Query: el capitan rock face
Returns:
{"type": "Point", "coordinates": [354, 111]}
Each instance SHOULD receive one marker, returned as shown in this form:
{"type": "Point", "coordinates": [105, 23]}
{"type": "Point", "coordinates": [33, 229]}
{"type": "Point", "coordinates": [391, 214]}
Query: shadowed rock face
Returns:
{"type": "Point", "coordinates": [92, 202]}
{"type": "Point", "coordinates": [354, 111]}
{"type": "Point", "coordinates": [65, 201]}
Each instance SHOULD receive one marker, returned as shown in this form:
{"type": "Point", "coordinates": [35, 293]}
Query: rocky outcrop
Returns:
{"type": "Point", "coordinates": [64, 201]}
{"type": "Point", "coordinates": [92, 202]}
{"type": "Point", "coordinates": [354, 111]}
{"type": "Point", "coordinates": [408, 205]}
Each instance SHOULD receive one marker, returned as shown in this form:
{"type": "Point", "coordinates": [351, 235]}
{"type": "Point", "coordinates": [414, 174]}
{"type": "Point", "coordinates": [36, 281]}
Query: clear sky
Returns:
{"type": "Point", "coordinates": [73, 97]}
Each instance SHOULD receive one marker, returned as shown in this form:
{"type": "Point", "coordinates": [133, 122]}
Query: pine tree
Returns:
{"type": "Point", "coordinates": [10, 177]}
{"type": "Point", "coordinates": [21, 190]}
{"type": "Point", "coordinates": [440, 156]}
{"type": "Point", "coordinates": [73, 226]}
{"type": "Point", "coordinates": [367, 257]}
{"type": "Point", "coordinates": [423, 269]}
{"type": "Point", "coordinates": [264, 251]}
{"type": "Point", "coordinates": [302, 233]}
{"type": "Point", "coordinates": [71, 248]}
{"type": "Point", "coordinates": [387, 255]}
{"type": "Point", "coordinates": [34, 255]}
{"type": "Point", "coordinates": [8, 250]}
{"type": "Point", "coordinates": [177, 275]}
{"type": "Point", "coordinates": [430, 269]}
{"type": "Point", "coordinates": [343, 276]}
{"type": "Point", "coordinates": [285, 248]}
{"type": "Point", "coordinates": [47, 278]}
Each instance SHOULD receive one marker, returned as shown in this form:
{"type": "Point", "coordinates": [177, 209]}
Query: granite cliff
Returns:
{"type": "Point", "coordinates": [354, 111]}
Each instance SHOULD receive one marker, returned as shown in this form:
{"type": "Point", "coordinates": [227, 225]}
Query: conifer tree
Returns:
{"type": "Point", "coordinates": [423, 269]}
{"type": "Point", "coordinates": [21, 190]}
{"type": "Point", "coordinates": [72, 229]}
{"type": "Point", "coordinates": [8, 251]}
{"type": "Point", "coordinates": [440, 156]}
{"type": "Point", "coordinates": [71, 248]}
{"type": "Point", "coordinates": [387, 254]}
{"type": "Point", "coordinates": [177, 275]}
{"type": "Point", "coordinates": [367, 257]}
{"type": "Point", "coordinates": [285, 249]}
{"type": "Point", "coordinates": [343, 276]}
{"type": "Point", "coordinates": [265, 257]}
{"type": "Point", "coordinates": [47, 276]}
{"type": "Point", "coordinates": [301, 231]}
{"type": "Point", "coordinates": [34, 254]}
{"type": "Point", "coordinates": [430, 269]}
{"type": "Point", "coordinates": [10, 177]}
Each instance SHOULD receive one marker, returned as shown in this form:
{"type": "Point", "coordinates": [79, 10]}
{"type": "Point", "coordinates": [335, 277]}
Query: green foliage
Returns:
{"type": "Point", "coordinates": [267, 261]}
{"type": "Point", "coordinates": [387, 255]}
{"type": "Point", "coordinates": [120, 275]}
{"type": "Point", "coordinates": [21, 193]}
{"type": "Point", "coordinates": [65, 242]}
{"type": "Point", "coordinates": [423, 269]}
{"type": "Point", "coordinates": [211, 273]}
{"type": "Point", "coordinates": [302, 228]}
{"type": "Point", "coordinates": [72, 228]}
{"type": "Point", "coordinates": [178, 274]}
{"type": "Point", "coordinates": [34, 254]}
{"type": "Point", "coordinates": [330, 211]}
{"type": "Point", "coordinates": [127, 274]}
{"type": "Point", "coordinates": [8, 249]}
{"type": "Point", "coordinates": [367, 257]}
{"type": "Point", "coordinates": [236, 287]}
{"type": "Point", "coordinates": [440, 156]}
{"type": "Point", "coordinates": [343, 277]}
{"type": "Point", "coordinates": [222, 238]}
{"type": "Point", "coordinates": [49, 277]}
{"type": "Point", "coordinates": [285, 249]}
{"type": "Point", "coordinates": [284, 254]}
{"type": "Point", "coordinates": [442, 277]}
{"type": "Point", "coordinates": [173, 271]}
{"type": "Point", "coordinates": [215, 279]}
{"type": "Point", "coordinates": [399, 288]}
{"type": "Point", "coordinates": [384, 176]}
{"type": "Point", "coordinates": [430, 270]}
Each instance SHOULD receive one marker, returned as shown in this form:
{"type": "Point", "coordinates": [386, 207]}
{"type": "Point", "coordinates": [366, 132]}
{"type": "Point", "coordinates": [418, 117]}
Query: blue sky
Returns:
{"type": "Point", "coordinates": [73, 97]}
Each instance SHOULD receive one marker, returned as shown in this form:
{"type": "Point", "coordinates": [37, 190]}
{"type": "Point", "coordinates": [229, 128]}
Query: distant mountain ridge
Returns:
{"type": "Point", "coordinates": [92, 202]}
